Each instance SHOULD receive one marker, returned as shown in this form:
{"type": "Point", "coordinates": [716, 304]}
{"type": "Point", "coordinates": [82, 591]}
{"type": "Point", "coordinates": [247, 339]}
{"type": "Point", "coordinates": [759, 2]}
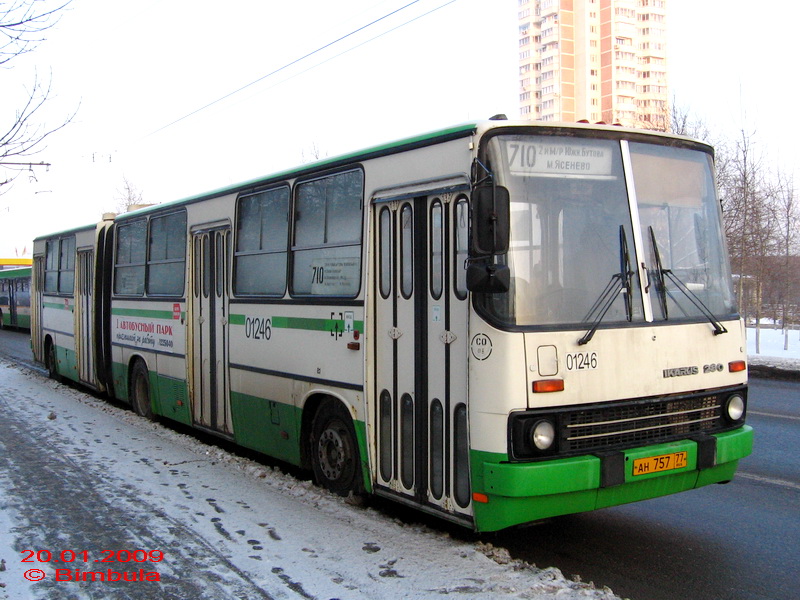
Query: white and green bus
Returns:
{"type": "Point", "coordinates": [496, 323]}
{"type": "Point", "coordinates": [15, 298]}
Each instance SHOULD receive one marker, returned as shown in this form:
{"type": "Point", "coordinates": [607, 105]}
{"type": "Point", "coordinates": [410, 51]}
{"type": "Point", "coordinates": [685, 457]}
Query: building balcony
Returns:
{"type": "Point", "coordinates": [548, 8]}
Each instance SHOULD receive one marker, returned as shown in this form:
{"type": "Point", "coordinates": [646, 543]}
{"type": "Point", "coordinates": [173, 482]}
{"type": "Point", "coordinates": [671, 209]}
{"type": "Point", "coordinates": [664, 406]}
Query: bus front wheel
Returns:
{"type": "Point", "coordinates": [140, 390]}
{"type": "Point", "coordinates": [334, 450]}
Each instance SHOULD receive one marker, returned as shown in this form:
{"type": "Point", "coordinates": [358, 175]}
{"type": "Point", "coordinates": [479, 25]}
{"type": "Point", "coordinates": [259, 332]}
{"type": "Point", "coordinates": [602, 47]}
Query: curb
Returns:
{"type": "Point", "coordinates": [769, 372]}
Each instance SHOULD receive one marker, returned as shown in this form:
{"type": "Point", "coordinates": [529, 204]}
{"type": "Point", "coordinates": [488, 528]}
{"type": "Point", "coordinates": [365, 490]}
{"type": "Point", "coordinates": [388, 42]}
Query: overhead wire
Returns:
{"type": "Point", "coordinates": [372, 39]}
{"type": "Point", "coordinates": [304, 57]}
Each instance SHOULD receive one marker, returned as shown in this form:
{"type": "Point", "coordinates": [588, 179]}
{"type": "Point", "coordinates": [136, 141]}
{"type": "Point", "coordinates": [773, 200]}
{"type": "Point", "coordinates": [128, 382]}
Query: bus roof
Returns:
{"type": "Point", "coordinates": [426, 139]}
{"type": "Point", "coordinates": [401, 145]}
{"type": "Point", "coordinates": [67, 231]}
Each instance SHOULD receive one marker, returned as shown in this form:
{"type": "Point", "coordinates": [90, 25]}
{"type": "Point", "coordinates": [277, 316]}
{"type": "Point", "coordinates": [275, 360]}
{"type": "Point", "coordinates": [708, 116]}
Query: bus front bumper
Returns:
{"type": "Point", "coordinates": [516, 493]}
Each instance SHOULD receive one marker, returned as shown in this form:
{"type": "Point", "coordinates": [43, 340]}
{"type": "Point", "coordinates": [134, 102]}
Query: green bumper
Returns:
{"type": "Point", "coordinates": [524, 492]}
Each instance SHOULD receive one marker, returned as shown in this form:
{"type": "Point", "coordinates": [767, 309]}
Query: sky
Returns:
{"type": "Point", "coordinates": [154, 84]}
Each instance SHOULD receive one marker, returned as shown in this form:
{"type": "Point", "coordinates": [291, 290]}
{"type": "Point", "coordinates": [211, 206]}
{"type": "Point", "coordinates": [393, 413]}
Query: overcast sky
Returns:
{"type": "Point", "coordinates": [138, 70]}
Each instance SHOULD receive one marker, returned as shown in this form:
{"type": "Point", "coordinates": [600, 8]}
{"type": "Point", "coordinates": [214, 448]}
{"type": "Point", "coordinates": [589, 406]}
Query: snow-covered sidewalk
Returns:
{"type": "Point", "coordinates": [80, 475]}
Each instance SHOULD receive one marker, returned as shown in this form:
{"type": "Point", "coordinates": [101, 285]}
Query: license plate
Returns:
{"type": "Point", "coordinates": [664, 462]}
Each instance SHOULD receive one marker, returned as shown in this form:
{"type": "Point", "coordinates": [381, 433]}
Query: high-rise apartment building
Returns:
{"type": "Point", "coordinates": [595, 60]}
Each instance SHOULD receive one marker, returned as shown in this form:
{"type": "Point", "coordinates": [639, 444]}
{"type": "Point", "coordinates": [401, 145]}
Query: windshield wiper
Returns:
{"type": "Point", "coordinates": [661, 288]}
{"type": "Point", "coordinates": [619, 281]}
{"type": "Point", "coordinates": [626, 272]}
{"type": "Point", "coordinates": [662, 291]}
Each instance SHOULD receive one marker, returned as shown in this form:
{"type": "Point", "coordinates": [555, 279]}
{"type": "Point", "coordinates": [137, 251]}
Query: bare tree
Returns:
{"type": "Point", "coordinates": [787, 212]}
{"type": "Point", "coordinates": [23, 25]}
{"type": "Point", "coordinates": [128, 197]}
{"type": "Point", "coordinates": [683, 122]}
{"type": "Point", "coordinates": [750, 223]}
{"type": "Point", "coordinates": [313, 154]}
{"type": "Point", "coordinates": [761, 218]}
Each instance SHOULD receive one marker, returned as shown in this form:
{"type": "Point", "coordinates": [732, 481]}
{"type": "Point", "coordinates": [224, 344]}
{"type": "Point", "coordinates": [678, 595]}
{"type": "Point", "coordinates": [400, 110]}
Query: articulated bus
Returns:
{"type": "Point", "coordinates": [496, 323]}
{"type": "Point", "coordinates": [15, 298]}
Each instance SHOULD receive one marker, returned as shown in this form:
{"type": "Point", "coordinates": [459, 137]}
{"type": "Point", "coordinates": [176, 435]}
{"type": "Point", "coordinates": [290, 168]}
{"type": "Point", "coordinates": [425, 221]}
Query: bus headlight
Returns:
{"type": "Point", "coordinates": [734, 408]}
{"type": "Point", "coordinates": [543, 434]}
{"type": "Point", "coordinates": [533, 436]}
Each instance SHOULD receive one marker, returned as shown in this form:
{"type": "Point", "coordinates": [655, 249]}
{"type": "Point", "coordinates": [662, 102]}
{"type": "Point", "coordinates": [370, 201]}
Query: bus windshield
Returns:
{"type": "Point", "coordinates": [573, 255]}
{"type": "Point", "coordinates": [682, 233]}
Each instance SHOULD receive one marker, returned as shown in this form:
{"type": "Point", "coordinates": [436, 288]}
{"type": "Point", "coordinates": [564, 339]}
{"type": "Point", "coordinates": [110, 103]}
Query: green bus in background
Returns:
{"type": "Point", "coordinates": [15, 298]}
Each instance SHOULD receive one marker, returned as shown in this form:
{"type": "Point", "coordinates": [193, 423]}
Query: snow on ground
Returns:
{"type": "Point", "coordinates": [77, 473]}
{"type": "Point", "coordinates": [771, 352]}
{"type": "Point", "coordinates": [229, 527]}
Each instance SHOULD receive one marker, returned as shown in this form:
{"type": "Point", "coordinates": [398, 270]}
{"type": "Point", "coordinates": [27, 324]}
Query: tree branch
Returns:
{"type": "Point", "coordinates": [22, 25]}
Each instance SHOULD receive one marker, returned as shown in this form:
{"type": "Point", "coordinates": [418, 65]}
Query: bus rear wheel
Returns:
{"type": "Point", "coordinates": [50, 362]}
{"type": "Point", "coordinates": [334, 450]}
{"type": "Point", "coordinates": [140, 390]}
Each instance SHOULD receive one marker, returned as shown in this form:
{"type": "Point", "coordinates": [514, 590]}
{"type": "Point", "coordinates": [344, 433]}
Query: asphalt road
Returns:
{"type": "Point", "coordinates": [17, 346]}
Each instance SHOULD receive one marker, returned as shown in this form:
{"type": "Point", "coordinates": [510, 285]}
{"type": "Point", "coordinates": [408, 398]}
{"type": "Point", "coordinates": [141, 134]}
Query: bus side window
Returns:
{"type": "Point", "coordinates": [60, 266]}
{"type": "Point", "coordinates": [51, 267]}
{"type": "Point", "coordinates": [166, 264]}
{"type": "Point", "coordinates": [406, 251]}
{"type": "Point", "coordinates": [461, 226]}
{"type": "Point", "coordinates": [66, 266]}
{"type": "Point", "coordinates": [130, 259]}
{"type": "Point", "coordinates": [326, 251]}
{"type": "Point", "coordinates": [262, 235]}
{"type": "Point", "coordinates": [437, 249]}
{"type": "Point", "coordinates": [386, 252]}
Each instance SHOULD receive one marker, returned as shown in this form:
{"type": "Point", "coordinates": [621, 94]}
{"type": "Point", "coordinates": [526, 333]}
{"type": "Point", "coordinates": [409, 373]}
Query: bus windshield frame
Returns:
{"type": "Point", "coordinates": [613, 229]}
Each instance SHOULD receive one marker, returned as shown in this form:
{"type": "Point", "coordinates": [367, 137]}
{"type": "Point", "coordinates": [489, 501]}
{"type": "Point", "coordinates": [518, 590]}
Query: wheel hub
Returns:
{"type": "Point", "coordinates": [331, 454]}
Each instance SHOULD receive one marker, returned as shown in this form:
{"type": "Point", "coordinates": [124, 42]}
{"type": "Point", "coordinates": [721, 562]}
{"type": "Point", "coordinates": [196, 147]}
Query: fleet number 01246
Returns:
{"type": "Point", "coordinates": [581, 361]}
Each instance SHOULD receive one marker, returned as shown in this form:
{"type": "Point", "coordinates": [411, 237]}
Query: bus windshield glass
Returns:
{"type": "Point", "coordinates": [682, 233]}
{"type": "Point", "coordinates": [573, 256]}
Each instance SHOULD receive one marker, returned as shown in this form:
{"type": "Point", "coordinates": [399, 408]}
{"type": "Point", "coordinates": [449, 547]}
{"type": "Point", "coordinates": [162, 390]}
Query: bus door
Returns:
{"type": "Point", "coordinates": [11, 286]}
{"type": "Point", "coordinates": [84, 315]}
{"type": "Point", "coordinates": [37, 298]}
{"type": "Point", "coordinates": [421, 350]}
{"type": "Point", "coordinates": [210, 387]}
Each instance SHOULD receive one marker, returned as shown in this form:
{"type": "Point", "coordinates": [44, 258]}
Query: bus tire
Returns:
{"type": "Point", "coordinates": [140, 390]}
{"type": "Point", "coordinates": [51, 361]}
{"type": "Point", "coordinates": [334, 450]}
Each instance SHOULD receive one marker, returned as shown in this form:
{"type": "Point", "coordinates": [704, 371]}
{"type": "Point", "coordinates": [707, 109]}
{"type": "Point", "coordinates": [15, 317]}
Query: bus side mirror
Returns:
{"type": "Point", "coordinates": [491, 218]}
{"type": "Point", "coordinates": [490, 279]}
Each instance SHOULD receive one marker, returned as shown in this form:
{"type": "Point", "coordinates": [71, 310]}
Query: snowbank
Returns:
{"type": "Point", "coordinates": [771, 356]}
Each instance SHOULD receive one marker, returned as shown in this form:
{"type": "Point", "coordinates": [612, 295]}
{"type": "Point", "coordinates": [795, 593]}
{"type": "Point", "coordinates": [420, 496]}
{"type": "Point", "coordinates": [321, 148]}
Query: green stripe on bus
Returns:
{"type": "Point", "coordinates": [57, 305]}
{"type": "Point", "coordinates": [15, 273]}
{"type": "Point", "coordinates": [23, 321]}
{"type": "Point", "coordinates": [303, 323]}
{"type": "Point", "coordinates": [143, 312]}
